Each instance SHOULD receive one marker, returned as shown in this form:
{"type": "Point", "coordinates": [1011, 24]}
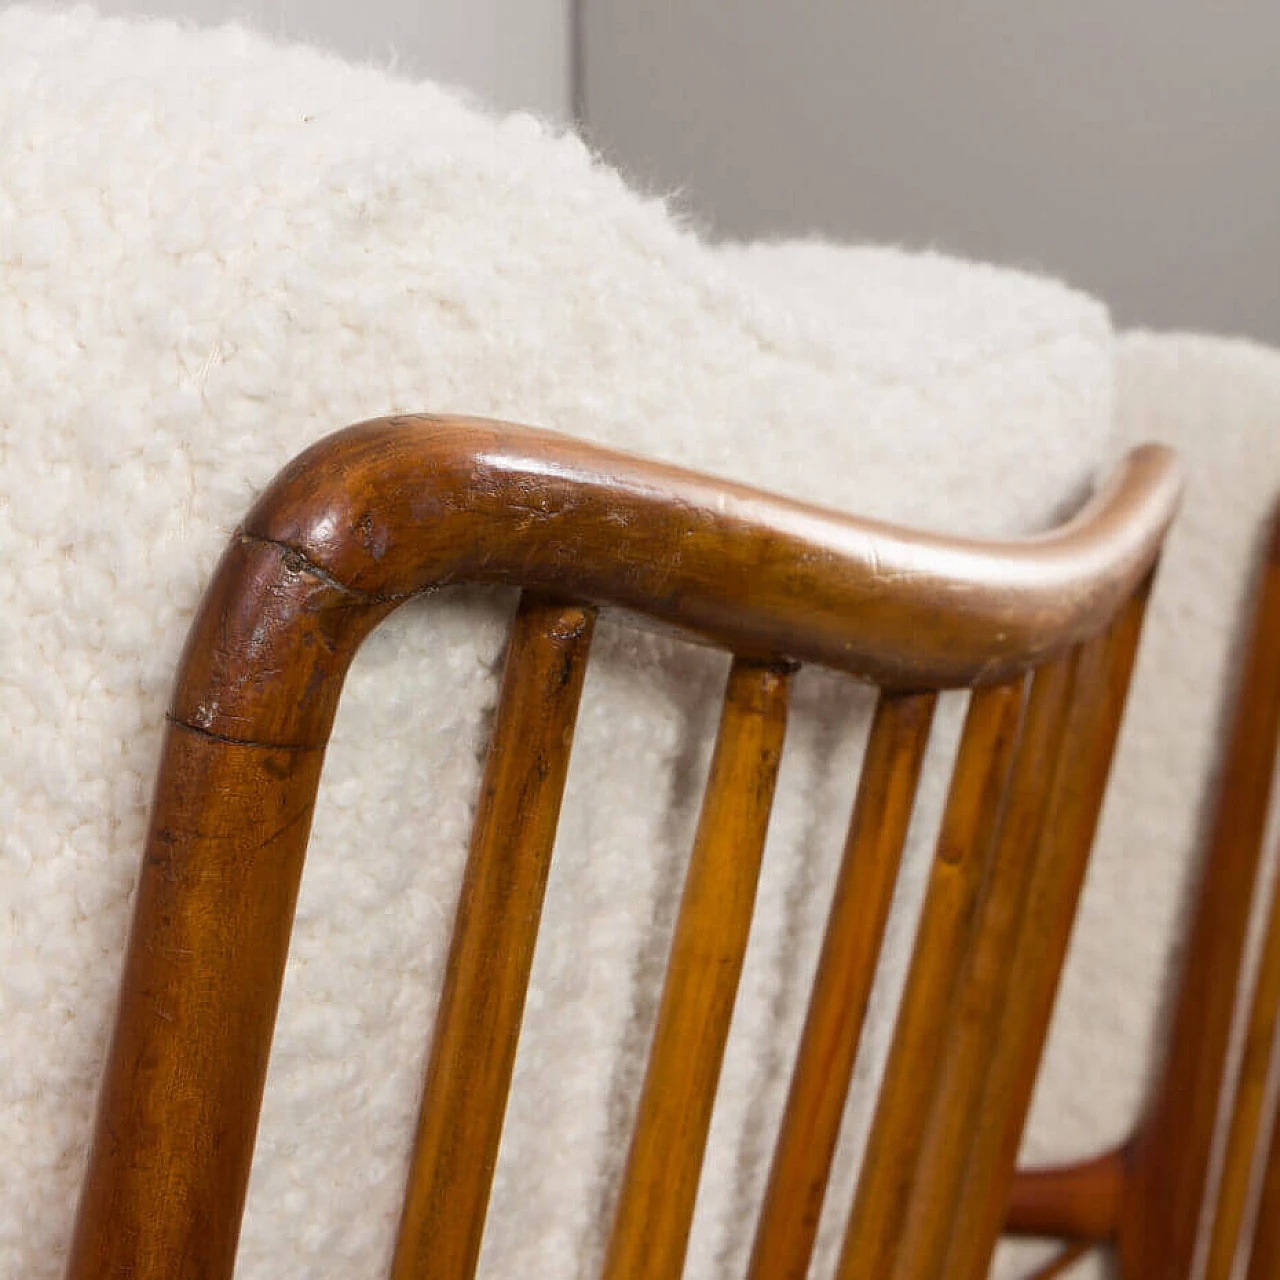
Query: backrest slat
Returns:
{"type": "Point", "coordinates": [965, 843]}
{"type": "Point", "coordinates": [1039, 950]}
{"type": "Point", "coordinates": [655, 1207]}
{"type": "Point", "coordinates": [966, 1051]}
{"type": "Point", "coordinates": [478, 1018]}
{"type": "Point", "coordinates": [842, 985]}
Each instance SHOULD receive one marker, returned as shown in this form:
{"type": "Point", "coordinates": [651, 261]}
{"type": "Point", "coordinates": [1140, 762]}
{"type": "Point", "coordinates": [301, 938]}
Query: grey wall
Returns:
{"type": "Point", "coordinates": [511, 53]}
{"type": "Point", "coordinates": [1132, 146]}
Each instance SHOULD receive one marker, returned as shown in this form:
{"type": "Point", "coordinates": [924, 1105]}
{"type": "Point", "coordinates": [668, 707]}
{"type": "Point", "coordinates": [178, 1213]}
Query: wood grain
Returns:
{"type": "Point", "coordinates": [655, 1206]}
{"type": "Point", "coordinates": [478, 1021]}
{"type": "Point", "coordinates": [397, 506]}
{"type": "Point", "coordinates": [837, 1006]}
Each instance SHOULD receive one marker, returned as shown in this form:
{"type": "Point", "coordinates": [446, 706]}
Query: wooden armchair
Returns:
{"type": "Point", "coordinates": [1043, 630]}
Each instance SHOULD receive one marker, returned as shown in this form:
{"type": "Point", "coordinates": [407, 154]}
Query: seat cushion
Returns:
{"type": "Point", "coordinates": [216, 249]}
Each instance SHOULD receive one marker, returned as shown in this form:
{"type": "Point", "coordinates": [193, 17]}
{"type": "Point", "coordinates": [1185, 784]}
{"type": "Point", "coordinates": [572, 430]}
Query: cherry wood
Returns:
{"type": "Point", "coordinates": [1077, 789]}
{"type": "Point", "coordinates": [396, 507]}
{"type": "Point", "coordinates": [838, 1004]}
{"type": "Point", "coordinates": [1158, 1233]}
{"type": "Point", "coordinates": [655, 1207]}
{"type": "Point", "coordinates": [478, 1020]}
{"type": "Point", "coordinates": [874, 1235]}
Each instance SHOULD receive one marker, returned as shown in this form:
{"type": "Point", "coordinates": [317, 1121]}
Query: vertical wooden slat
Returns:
{"type": "Point", "coordinates": [1264, 1254]}
{"type": "Point", "coordinates": [655, 1208]}
{"type": "Point", "coordinates": [1250, 1094]}
{"type": "Point", "coordinates": [478, 1020]}
{"type": "Point", "coordinates": [1172, 1154]}
{"type": "Point", "coordinates": [178, 1107]}
{"type": "Point", "coordinates": [837, 1006]}
{"type": "Point", "coordinates": [966, 1051]}
{"type": "Point", "coordinates": [1077, 789]}
{"type": "Point", "coordinates": [965, 841]}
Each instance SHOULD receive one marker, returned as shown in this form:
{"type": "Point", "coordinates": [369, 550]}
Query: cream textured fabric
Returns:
{"type": "Point", "coordinates": [214, 250]}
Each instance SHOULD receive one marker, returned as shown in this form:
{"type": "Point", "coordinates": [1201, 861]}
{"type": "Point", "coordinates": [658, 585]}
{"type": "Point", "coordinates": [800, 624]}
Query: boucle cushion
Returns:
{"type": "Point", "coordinates": [214, 250]}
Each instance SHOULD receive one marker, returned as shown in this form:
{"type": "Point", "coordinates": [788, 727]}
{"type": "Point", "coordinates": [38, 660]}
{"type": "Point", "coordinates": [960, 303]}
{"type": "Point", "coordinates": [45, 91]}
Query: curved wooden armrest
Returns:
{"type": "Point", "coordinates": [397, 506]}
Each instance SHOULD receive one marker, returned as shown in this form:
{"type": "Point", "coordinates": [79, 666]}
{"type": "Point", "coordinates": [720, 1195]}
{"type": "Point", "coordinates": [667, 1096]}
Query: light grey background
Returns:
{"type": "Point", "coordinates": [1131, 146]}
{"type": "Point", "coordinates": [510, 53]}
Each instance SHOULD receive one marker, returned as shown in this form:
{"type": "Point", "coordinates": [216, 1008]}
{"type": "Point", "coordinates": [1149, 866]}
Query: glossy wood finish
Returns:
{"type": "Point", "coordinates": [855, 928]}
{"type": "Point", "coordinates": [396, 507]}
{"type": "Point", "coordinates": [1157, 1237]}
{"type": "Point", "coordinates": [478, 1021]}
{"type": "Point", "coordinates": [655, 1207]}
{"type": "Point", "coordinates": [874, 1236]}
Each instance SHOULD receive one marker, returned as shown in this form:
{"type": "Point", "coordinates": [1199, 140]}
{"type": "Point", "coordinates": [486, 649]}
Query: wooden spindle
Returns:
{"type": "Point", "coordinates": [1077, 788]}
{"type": "Point", "coordinates": [838, 1004]}
{"type": "Point", "coordinates": [969, 1044]}
{"type": "Point", "coordinates": [965, 843]}
{"type": "Point", "coordinates": [478, 1021]}
{"type": "Point", "coordinates": [655, 1208]}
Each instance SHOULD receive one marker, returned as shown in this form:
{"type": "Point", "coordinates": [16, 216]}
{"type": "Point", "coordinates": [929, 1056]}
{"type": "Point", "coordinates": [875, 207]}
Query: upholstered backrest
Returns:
{"type": "Point", "coordinates": [1042, 631]}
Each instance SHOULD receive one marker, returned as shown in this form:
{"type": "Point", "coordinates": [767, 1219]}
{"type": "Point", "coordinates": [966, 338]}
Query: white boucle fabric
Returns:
{"type": "Point", "coordinates": [216, 249]}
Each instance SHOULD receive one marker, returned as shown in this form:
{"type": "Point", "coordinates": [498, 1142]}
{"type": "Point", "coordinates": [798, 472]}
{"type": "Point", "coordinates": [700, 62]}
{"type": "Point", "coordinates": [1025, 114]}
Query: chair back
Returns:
{"type": "Point", "coordinates": [1043, 632]}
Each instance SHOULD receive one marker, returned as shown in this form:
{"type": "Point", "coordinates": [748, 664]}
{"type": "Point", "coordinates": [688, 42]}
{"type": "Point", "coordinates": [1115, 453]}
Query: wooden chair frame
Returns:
{"type": "Point", "coordinates": [1044, 631]}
